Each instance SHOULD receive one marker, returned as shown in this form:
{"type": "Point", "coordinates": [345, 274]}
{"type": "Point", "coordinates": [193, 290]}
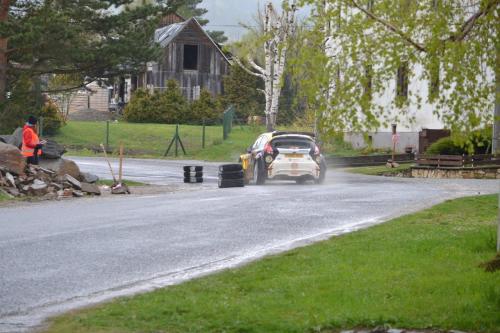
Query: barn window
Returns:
{"type": "Point", "coordinates": [191, 57]}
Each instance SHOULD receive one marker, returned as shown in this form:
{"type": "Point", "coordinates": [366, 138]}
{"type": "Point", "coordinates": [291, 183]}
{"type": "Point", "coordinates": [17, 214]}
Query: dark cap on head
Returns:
{"type": "Point", "coordinates": [32, 120]}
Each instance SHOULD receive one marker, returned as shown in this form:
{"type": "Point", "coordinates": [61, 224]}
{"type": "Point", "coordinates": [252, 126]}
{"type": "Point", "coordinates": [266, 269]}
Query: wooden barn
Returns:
{"type": "Point", "coordinates": [189, 57]}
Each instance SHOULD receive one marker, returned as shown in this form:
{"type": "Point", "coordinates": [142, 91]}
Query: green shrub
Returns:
{"type": "Point", "coordinates": [168, 107]}
{"type": "Point", "coordinates": [206, 107]}
{"type": "Point", "coordinates": [52, 120]}
{"type": "Point", "coordinates": [445, 146]}
{"type": "Point", "coordinates": [478, 142]}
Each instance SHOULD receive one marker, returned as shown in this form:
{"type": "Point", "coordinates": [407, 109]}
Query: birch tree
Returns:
{"type": "Point", "coordinates": [277, 31]}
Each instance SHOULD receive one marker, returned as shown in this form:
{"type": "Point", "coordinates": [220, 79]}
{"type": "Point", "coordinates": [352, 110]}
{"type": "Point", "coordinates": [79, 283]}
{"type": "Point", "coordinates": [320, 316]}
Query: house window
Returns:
{"type": "Point", "coordinates": [402, 81]}
{"type": "Point", "coordinates": [369, 5]}
{"type": "Point", "coordinates": [368, 81]}
{"type": "Point", "coordinates": [435, 80]}
{"type": "Point", "coordinates": [190, 57]}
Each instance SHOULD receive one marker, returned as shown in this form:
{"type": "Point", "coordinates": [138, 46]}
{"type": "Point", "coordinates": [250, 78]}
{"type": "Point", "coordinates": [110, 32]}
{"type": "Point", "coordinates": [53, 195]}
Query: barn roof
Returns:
{"type": "Point", "coordinates": [167, 34]}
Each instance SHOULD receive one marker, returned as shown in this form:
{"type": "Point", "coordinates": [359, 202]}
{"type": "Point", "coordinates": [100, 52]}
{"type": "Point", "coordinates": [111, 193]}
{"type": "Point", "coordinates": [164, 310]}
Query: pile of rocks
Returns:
{"type": "Point", "coordinates": [55, 177]}
{"type": "Point", "coordinates": [37, 181]}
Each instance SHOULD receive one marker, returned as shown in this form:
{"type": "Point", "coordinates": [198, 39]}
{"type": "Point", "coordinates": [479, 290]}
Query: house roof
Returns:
{"type": "Point", "coordinates": [166, 35]}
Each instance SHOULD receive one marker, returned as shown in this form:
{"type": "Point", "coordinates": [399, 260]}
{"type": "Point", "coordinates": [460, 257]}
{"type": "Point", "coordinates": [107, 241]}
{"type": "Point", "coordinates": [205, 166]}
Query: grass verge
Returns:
{"type": "Point", "coordinates": [152, 140]}
{"type": "Point", "coordinates": [4, 197]}
{"type": "Point", "coordinates": [418, 271]}
{"type": "Point", "coordinates": [110, 182]}
{"type": "Point", "coordinates": [380, 170]}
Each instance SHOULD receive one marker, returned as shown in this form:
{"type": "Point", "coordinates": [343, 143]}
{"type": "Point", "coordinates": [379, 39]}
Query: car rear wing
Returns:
{"type": "Point", "coordinates": [276, 133]}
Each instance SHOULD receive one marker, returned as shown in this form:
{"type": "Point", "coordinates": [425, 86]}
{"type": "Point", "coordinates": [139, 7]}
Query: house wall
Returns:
{"type": "Point", "coordinates": [97, 98]}
{"type": "Point", "coordinates": [383, 140]}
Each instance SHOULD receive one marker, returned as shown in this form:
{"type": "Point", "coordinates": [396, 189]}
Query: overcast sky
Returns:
{"type": "Point", "coordinates": [227, 14]}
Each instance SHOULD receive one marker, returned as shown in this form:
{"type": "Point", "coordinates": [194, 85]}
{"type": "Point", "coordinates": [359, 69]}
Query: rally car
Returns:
{"type": "Point", "coordinates": [284, 156]}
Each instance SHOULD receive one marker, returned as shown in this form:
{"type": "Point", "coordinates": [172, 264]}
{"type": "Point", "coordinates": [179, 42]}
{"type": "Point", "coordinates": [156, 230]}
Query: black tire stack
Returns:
{"type": "Point", "coordinates": [231, 175]}
{"type": "Point", "coordinates": [193, 174]}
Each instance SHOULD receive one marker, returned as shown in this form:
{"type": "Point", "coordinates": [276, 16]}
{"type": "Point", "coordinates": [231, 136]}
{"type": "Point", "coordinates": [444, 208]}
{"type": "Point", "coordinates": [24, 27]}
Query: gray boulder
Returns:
{"type": "Point", "coordinates": [5, 138]}
{"type": "Point", "coordinates": [16, 139]}
{"type": "Point", "coordinates": [52, 150]}
{"type": "Point", "coordinates": [88, 178]}
{"type": "Point", "coordinates": [62, 167]}
{"type": "Point", "coordinates": [90, 188]}
{"type": "Point", "coordinates": [12, 159]}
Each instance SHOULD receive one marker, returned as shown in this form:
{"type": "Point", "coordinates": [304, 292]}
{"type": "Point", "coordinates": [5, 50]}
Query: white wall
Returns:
{"type": "Point", "coordinates": [383, 140]}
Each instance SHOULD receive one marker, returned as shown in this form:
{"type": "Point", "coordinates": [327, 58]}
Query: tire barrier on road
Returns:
{"type": "Point", "coordinates": [193, 174]}
{"type": "Point", "coordinates": [231, 175]}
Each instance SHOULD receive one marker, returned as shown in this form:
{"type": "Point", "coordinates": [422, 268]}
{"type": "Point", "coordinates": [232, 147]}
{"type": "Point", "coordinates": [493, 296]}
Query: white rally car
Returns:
{"type": "Point", "coordinates": [284, 156]}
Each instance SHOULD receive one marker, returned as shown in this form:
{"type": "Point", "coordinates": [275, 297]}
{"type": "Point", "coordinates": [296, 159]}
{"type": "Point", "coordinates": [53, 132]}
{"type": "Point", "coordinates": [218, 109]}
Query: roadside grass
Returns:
{"type": "Point", "coordinates": [151, 140]}
{"type": "Point", "coordinates": [418, 271]}
{"type": "Point", "coordinates": [379, 170]}
{"type": "Point", "coordinates": [4, 197]}
{"type": "Point", "coordinates": [109, 182]}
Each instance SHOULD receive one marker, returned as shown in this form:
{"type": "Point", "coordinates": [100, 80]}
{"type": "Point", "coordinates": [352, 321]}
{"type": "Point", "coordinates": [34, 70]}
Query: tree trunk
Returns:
{"type": "Point", "coordinates": [4, 11]}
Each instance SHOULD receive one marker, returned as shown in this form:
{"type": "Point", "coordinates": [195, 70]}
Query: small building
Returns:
{"type": "Point", "coordinates": [189, 56]}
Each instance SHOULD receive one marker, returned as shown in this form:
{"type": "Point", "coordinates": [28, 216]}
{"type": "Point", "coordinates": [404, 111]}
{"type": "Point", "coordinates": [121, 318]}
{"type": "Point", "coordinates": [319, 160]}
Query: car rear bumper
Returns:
{"type": "Point", "coordinates": [293, 170]}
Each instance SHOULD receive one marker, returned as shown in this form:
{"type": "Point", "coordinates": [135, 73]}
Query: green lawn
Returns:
{"type": "Point", "coordinates": [379, 169]}
{"type": "Point", "coordinates": [152, 140]}
{"type": "Point", "coordinates": [418, 271]}
{"type": "Point", "coordinates": [110, 182]}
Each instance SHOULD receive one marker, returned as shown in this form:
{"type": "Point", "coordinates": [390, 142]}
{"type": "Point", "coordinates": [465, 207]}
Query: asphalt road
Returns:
{"type": "Point", "coordinates": [57, 256]}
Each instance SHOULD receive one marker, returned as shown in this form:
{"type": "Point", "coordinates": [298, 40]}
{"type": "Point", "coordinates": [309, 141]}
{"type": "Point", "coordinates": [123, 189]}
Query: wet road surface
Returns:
{"type": "Point", "coordinates": [61, 255]}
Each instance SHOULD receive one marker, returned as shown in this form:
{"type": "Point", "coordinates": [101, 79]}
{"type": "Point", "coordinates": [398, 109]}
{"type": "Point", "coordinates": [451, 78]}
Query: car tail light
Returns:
{"type": "Point", "coordinates": [315, 154]}
{"type": "Point", "coordinates": [268, 149]}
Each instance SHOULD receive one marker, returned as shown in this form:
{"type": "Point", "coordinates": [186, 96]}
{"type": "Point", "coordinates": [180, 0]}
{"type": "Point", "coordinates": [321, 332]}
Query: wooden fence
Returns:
{"type": "Point", "coordinates": [456, 160]}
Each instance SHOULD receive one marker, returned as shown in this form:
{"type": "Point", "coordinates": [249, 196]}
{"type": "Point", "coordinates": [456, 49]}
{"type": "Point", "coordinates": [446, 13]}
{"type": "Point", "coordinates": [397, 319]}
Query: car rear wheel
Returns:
{"type": "Point", "coordinates": [322, 173]}
{"type": "Point", "coordinates": [259, 172]}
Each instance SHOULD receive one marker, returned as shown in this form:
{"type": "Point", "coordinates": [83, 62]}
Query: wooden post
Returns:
{"type": "Point", "coordinates": [120, 170]}
{"type": "Point", "coordinates": [107, 135]}
{"type": "Point", "coordinates": [203, 135]}
{"type": "Point", "coordinates": [176, 140]}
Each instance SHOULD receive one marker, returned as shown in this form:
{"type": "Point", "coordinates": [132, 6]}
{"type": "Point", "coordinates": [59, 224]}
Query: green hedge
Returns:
{"type": "Point", "coordinates": [171, 107]}
{"type": "Point", "coordinates": [478, 142]}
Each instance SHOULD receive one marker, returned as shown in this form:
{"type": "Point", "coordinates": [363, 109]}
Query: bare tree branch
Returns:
{"type": "Point", "coordinates": [255, 66]}
{"type": "Point", "coordinates": [470, 23]}
{"type": "Point", "coordinates": [238, 61]}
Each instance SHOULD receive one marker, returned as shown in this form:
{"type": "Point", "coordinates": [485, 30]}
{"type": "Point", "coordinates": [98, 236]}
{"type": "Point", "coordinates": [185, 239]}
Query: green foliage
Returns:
{"type": "Point", "coordinates": [77, 39]}
{"type": "Point", "coordinates": [431, 35]}
{"type": "Point", "coordinates": [52, 119]}
{"type": "Point", "coordinates": [171, 107]}
{"type": "Point", "coordinates": [445, 146]}
{"type": "Point", "coordinates": [240, 90]}
{"type": "Point", "coordinates": [168, 107]}
{"type": "Point", "coordinates": [478, 142]}
{"type": "Point", "coordinates": [22, 102]}
{"type": "Point", "coordinates": [206, 107]}
{"type": "Point", "coordinates": [173, 104]}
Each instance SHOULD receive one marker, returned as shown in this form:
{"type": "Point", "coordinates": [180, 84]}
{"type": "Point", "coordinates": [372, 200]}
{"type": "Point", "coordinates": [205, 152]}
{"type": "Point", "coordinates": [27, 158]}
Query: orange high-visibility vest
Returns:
{"type": "Point", "coordinates": [30, 139]}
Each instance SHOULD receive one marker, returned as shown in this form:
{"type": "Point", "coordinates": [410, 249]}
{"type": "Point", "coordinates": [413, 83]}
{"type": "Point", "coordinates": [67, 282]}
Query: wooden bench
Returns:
{"type": "Point", "coordinates": [440, 160]}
